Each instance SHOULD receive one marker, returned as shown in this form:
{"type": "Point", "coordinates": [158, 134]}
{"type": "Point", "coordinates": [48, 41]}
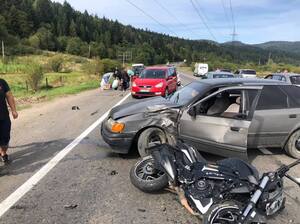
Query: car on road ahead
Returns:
{"type": "Point", "coordinates": [291, 78]}
{"type": "Point", "coordinates": [219, 116]}
{"type": "Point", "coordinates": [155, 81]}
{"type": "Point", "coordinates": [246, 73]}
{"type": "Point", "coordinates": [216, 75]}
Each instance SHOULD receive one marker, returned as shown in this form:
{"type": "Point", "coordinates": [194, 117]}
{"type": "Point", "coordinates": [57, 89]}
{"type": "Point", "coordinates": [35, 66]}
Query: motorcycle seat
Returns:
{"type": "Point", "coordinates": [245, 170]}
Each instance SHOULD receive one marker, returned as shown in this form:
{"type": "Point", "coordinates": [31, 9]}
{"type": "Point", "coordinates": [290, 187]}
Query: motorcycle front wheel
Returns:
{"type": "Point", "coordinates": [144, 176]}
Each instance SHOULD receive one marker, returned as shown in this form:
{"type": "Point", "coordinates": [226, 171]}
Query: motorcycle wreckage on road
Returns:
{"type": "Point", "coordinates": [229, 191]}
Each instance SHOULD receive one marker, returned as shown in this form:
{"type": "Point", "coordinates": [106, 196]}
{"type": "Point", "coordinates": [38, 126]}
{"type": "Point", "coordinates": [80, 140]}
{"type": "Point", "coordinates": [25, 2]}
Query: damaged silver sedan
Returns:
{"type": "Point", "coordinates": [219, 116]}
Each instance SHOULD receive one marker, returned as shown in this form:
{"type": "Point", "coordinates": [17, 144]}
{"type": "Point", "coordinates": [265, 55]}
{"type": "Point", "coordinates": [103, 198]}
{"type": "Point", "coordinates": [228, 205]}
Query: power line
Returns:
{"type": "Point", "coordinates": [174, 17]}
{"type": "Point", "coordinates": [203, 21]}
{"type": "Point", "coordinates": [206, 18]}
{"type": "Point", "coordinates": [225, 12]}
{"type": "Point", "coordinates": [151, 17]}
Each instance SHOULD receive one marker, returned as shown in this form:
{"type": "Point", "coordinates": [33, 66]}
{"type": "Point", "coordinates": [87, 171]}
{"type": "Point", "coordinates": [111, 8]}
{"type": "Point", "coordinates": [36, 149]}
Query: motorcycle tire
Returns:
{"type": "Point", "coordinates": [145, 177]}
{"type": "Point", "coordinates": [225, 212]}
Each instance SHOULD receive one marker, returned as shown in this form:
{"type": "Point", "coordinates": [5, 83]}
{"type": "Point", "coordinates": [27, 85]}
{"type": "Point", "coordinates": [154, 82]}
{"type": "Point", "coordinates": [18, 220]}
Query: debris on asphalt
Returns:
{"type": "Point", "coordinates": [141, 210]}
{"type": "Point", "coordinates": [75, 108]}
{"type": "Point", "coordinates": [112, 173]}
{"type": "Point", "coordinates": [71, 206]}
{"type": "Point", "coordinates": [95, 112]}
{"type": "Point", "coordinates": [18, 207]}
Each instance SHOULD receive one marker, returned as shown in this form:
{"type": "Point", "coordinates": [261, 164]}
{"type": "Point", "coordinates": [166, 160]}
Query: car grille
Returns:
{"type": "Point", "coordinates": [145, 87]}
{"type": "Point", "coordinates": [145, 93]}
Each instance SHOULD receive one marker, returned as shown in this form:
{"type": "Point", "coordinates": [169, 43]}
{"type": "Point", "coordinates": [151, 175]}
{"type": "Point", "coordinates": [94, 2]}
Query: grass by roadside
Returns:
{"type": "Point", "coordinates": [59, 84]}
{"type": "Point", "coordinates": [72, 78]}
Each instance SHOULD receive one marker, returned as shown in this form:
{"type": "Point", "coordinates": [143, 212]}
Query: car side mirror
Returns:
{"type": "Point", "coordinates": [192, 111]}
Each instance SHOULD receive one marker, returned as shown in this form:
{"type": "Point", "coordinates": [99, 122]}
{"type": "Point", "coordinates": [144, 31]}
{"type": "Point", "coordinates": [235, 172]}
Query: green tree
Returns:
{"type": "Point", "coordinates": [74, 46]}
{"type": "Point", "coordinates": [72, 29]}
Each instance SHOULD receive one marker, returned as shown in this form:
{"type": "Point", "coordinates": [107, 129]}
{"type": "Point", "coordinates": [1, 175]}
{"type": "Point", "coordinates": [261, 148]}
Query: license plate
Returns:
{"type": "Point", "coordinates": [144, 90]}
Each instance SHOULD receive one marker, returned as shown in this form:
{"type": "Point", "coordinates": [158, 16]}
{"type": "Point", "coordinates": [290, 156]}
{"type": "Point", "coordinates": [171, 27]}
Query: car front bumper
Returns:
{"type": "Point", "coordinates": [119, 142]}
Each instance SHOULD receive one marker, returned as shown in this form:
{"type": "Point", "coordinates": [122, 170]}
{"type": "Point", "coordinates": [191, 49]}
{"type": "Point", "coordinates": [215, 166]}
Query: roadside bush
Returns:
{"type": "Point", "coordinates": [35, 75]}
{"type": "Point", "coordinates": [93, 67]}
{"type": "Point", "coordinates": [110, 65]}
{"type": "Point", "coordinates": [56, 63]}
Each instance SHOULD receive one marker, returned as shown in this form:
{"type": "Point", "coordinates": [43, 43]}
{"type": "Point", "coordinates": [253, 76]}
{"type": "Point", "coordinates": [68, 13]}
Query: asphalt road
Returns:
{"type": "Point", "coordinates": [91, 184]}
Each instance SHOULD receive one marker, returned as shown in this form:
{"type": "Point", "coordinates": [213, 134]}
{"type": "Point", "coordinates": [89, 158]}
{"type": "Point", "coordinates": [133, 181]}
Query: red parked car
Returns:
{"type": "Point", "coordinates": [155, 81]}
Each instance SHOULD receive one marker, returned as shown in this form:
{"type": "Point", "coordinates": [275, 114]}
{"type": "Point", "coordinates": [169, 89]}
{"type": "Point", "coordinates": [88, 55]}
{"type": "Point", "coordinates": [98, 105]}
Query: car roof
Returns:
{"type": "Point", "coordinates": [286, 74]}
{"type": "Point", "coordinates": [246, 69]}
{"type": "Point", "coordinates": [240, 81]}
{"type": "Point", "coordinates": [163, 67]}
{"type": "Point", "coordinates": [220, 72]}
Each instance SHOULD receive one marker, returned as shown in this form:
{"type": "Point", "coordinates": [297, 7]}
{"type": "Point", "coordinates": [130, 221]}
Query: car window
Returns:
{"type": "Point", "coordinates": [293, 93]}
{"type": "Point", "coordinates": [295, 80]}
{"type": "Point", "coordinates": [279, 77]}
{"type": "Point", "coordinates": [222, 75]}
{"type": "Point", "coordinates": [272, 97]}
{"type": "Point", "coordinates": [189, 92]}
{"type": "Point", "coordinates": [153, 74]}
{"type": "Point", "coordinates": [235, 104]}
{"type": "Point", "coordinates": [248, 72]}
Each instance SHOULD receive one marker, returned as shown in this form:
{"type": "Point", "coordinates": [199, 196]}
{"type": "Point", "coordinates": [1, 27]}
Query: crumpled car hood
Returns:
{"type": "Point", "coordinates": [141, 106]}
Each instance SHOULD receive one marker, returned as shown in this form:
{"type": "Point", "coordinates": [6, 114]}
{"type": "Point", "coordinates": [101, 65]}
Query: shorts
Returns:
{"type": "Point", "coordinates": [5, 126]}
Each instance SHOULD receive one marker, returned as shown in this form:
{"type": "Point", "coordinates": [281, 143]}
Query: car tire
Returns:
{"type": "Point", "coordinates": [148, 138]}
{"type": "Point", "coordinates": [292, 147]}
{"type": "Point", "coordinates": [139, 177]}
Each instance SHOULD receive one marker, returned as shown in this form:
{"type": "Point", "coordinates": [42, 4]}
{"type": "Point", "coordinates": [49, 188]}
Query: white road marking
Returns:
{"type": "Point", "coordinates": [32, 181]}
{"type": "Point", "coordinates": [265, 151]}
{"type": "Point", "coordinates": [298, 179]}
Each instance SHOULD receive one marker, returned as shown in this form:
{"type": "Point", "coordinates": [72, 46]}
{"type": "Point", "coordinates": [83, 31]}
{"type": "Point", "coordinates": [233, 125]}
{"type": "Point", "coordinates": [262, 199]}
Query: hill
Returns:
{"type": "Point", "coordinates": [29, 26]}
{"type": "Point", "coordinates": [287, 46]}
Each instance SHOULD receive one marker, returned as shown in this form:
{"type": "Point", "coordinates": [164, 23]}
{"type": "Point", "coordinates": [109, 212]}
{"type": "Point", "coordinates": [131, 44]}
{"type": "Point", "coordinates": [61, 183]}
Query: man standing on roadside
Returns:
{"type": "Point", "coordinates": [5, 124]}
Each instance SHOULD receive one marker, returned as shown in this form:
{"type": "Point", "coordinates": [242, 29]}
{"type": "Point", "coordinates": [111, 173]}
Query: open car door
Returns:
{"type": "Point", "coordinates": [219, 123]}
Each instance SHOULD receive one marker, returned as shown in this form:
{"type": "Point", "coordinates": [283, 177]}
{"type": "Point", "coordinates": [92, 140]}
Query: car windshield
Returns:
{"type": "Point", "coordinates": [222, 76]}
{"type": "Point", "coordinates": [187, 93]}
{"type": "Point", "coordinates": [153, 74]}
{"type": "Point", "coordinates": [248, 72]}
{"type": "Point", "coordinates": [295, 80]}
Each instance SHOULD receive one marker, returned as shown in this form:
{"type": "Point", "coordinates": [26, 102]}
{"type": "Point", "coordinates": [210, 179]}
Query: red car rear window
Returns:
{"type": "Point", "coordinates": [153, 74]}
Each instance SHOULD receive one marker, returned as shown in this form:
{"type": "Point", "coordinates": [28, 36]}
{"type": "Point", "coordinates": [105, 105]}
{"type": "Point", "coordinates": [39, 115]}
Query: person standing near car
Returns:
{"type": "Point", "coordinates": [124, 80]}
{"type": "Point", "coordinates": [6, 97]}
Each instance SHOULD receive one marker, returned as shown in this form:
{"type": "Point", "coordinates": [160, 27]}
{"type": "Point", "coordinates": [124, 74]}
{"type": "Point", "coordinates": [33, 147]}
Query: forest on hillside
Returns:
{"type": "Point", "coordinates": [29, 26]}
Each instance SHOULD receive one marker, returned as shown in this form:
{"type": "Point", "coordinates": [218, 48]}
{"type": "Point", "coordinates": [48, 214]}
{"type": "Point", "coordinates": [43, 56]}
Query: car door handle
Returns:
{"type": "Point", "coordinates": [293, 116]}
{"type": "Point", "coordinates": [234, 128]}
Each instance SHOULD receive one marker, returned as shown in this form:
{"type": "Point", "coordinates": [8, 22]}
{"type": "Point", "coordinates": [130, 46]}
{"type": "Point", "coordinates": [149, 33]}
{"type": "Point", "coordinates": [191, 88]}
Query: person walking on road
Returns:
{"type": "Point", "coordinates": [6, 97]}
{"type": "Point", "coordinates": [124, 80]}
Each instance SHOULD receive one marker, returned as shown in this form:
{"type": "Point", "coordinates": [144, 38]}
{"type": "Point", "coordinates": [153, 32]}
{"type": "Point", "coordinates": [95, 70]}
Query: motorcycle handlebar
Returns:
{"type": "Point", "coordinates": [285, 168]}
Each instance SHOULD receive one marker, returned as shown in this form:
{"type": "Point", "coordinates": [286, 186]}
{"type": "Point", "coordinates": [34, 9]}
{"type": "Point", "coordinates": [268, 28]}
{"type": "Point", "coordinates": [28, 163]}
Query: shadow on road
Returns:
{"type": "Point", "coordinates": [30, 157]}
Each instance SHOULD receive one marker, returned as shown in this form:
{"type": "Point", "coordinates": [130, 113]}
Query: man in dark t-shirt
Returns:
{"type": "Point", "coordinates": [5, 124]}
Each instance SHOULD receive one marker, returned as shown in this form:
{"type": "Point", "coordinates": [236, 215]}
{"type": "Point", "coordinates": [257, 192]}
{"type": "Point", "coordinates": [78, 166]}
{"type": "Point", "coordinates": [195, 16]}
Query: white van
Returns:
{"type": "Point", "coordinates": [200, 69]}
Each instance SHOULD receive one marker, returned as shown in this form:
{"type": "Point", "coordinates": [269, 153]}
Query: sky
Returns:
{"type": "Point", "coordinates": [255, 21]}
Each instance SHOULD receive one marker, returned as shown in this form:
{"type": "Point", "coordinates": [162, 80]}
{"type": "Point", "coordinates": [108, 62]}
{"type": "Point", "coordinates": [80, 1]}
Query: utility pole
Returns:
{"type": "Point", "coordinates": [125, 56]}
{"type": "Point", "coordinates": [233, 34]}
{"type": "Point", "coordinates": [3, 54]}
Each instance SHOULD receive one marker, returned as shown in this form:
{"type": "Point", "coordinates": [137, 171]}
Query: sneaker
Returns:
{"type": "Point", "coordinates": [6, 160]}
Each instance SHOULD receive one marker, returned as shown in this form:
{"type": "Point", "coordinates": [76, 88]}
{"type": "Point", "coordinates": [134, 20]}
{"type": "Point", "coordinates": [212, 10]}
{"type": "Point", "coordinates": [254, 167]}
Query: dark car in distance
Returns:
{"type": "Point", "coordinates": [220, 116]}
